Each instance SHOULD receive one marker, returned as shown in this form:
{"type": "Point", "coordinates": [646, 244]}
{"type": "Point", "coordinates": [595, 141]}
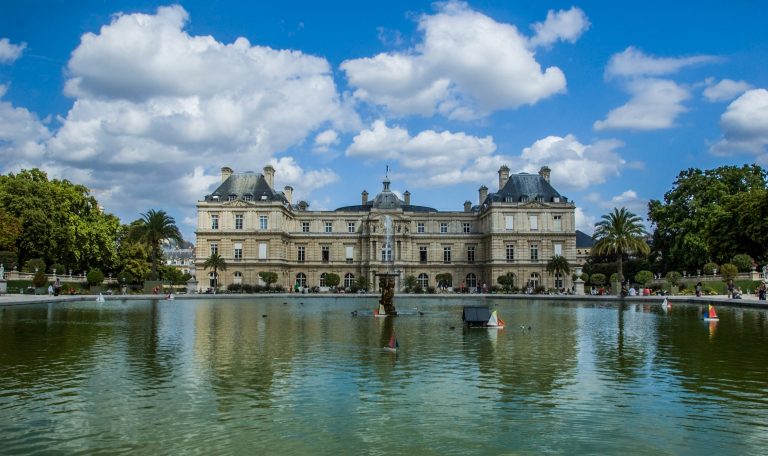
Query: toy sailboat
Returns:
{"type": "Point", "coordinates": [393, 345]}
{"type": "Point", "coordinates": [495, 321]}
{"type": "Point", "coordinates": [666, 305]}
{"type": "Point", "coordinates": [380, 311]}
{"type": "Point", "coordinates": [711, 314]}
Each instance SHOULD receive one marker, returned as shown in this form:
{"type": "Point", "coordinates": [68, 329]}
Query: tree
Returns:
{"type": "Point", "coordinates": [644, 278]}
{"type": "Point", "coordinates": [10, 231]}
{"type": "Point", "coordinates": [673, 278]}
{"type": "Point", "coordinates": [597, 279]}
{"type": "Point", "coordinates": [618, 233]}
{"type": "Point", "coordinates": [558, 264]}
{"type": "Point", "coordinates": [711, 215]}
{"type": "Point", "coordinates": [332, 279]}
{"type": "Point", "coordinates": [94, 277]}
{"type": "Point", "coordinates": [507, 281]}
{"type": "Point", "coordinates": [153, 228]}
{"type": "Point", "coordinates": [215, 262]}
{"type": "Point", "coordinates": [269, 277]}
{"type": "Point", "coordinates": [743, 262]}
{"type": "Point", "coordinates": [410, 282]}
{"type": "Point", "coordinates": [728, 271]}
{"type": "Point", "coordinates": [709, 268]}
{"type": "Point", "coordinates": [362, 283]}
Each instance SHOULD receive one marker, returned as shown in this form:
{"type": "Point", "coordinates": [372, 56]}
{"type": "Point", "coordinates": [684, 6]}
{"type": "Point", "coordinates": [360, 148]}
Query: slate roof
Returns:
{"type": "Point", "coordinates": [386, 200]}
{"type": "Point", "coordinates": [526, 187]}
{"type": "Point", "coordinates": [247, 186]}
{"type": "Point", "coordinates": [583, 240]}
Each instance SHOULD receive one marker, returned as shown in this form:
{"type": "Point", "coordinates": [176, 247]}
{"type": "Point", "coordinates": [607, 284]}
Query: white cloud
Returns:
{"type": "Point", "coordinates": [630, 200]}
{"type": "Point", "coordinates": [560, 25]}
{"type": "Point", "coordinates": [429, 151]}
{"type": "Point", "coordinates": [9, 52]}
{"type": "Point", "coordinates": [575, 166]}
{"type": "Point", "coordinates": [655, 104]}
{"type": "Point", "coordinates": [467, 66]}
{"type": "Point", "coordinates": [289, 172]}
{"type": "Point", "coordinates": [745, 125]}
{"type": "Point", "coordinates": [725, 90]}
{"type": "Point", "coordinates": [585, 223]}
{"type": "Point", "coordinates": [633, 62]}
{"type": "Point", "coordinates": [21, 135]}
{"type": "Point", "coordinates": [325, 139]}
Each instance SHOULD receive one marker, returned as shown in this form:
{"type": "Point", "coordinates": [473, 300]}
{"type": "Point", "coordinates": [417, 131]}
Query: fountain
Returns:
{"type": "Point", "coordinates": [387, 279]}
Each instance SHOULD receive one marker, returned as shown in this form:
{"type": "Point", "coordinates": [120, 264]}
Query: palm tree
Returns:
{"type": "Point", "coordinates": [620, 232]}
{"type": "Point", "coordinates": [153, 228]}
{"type": "Point", "coordinates": [215, 262]}
{"type": "Point", "coordinates": [558, 264]}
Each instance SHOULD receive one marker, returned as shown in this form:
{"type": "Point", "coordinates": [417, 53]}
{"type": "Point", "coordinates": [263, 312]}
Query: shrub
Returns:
{"type": "Point", "coordinates": [743, 262]}
{"type": "Point", "coordinates": [597, 278]}
{"type": "Point", "coordinates": [94, 277]}
{"type": "Point", "coordinates": [728, 271]}
{"type": "Point", "coordinates": [673, 278]}
{"type": "Point", "coordinates": [59, 268]}
{"type": "Point", "coordinates": [709, 268]}
{"type": "Point", "coordinates": [644, 277]}
{"type": "Point", "coordinates": [614, 277]}
{"type": "Point", "coordinates": [34, 263]}
{"type": "Point", "coordinates": [40, 279]}
{"type": "Point", "coordinates": [125, 277]}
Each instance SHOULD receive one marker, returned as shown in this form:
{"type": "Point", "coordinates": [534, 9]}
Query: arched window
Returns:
{"type": "Point", "coordinates": [534, 281]}
{"type": "Point", "coordinates": [237, 277]}
{"type": "Point", "coordinates": [423, 280]}
{"type": "Point", "coordinates": [559, 280]}
{"type": "Point", "coordinates": [349, 280]}
{"type": "Point", "coordinates": [322, 279]}
{"type": "Point", "coordinates": [301, 279]}
{"type": "Point", "coordinates": [471, 281]}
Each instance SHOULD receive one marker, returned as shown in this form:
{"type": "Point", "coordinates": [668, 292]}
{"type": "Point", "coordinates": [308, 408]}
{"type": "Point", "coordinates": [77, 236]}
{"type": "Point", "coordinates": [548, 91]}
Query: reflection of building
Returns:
{"type": "Point", "coordinates": [514, 230]}
{"type": "Point", "coordinates": [584, 243]}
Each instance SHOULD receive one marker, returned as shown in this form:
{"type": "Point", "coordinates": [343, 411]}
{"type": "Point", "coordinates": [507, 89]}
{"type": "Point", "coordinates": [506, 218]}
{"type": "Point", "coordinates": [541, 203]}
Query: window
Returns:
{"type": "Point", "coordinates": [322, 279]}
{"type": "Point", "coordinates": [386, 252]}
{"type": "Point", "coordinates": [510, 253]}
{"type": "Point", "coordinates": [263, 222]}
{"type": "Point", "coordinates": [509, 222]}
{"type": "Point", "coordinates": [470, 254]}
{"type": "Point", "coordinates": [214, 248]}
{"type": "Point", "coordinates": [420, 227]}
{"type": "Point", "coordinates": [446, 255]}
{"type": "Point", "coordinates": [533, 220]}
{"type": "Point", "coordinates": [231, 197]}
{"type": "Point", "coordinates": [467, 227]}
{"type": "Point", "coordinates": [262, 250]}
{"type": "Point", "coordinates": [301, 279]}
{"type": "Point", "coordinates": [559, 249]}
{"type": "Point", "coordinates": [238, 221]}
{"type": "Point", "coordinates": [423, 280]}
{"type": "Point", "coordinates": [237, 277]}
{"type": "Point", "coordinates": [325, 252]}
{"type": "Point", "coordinates": [300, 254]}
{"type": "Point", "coordinates": [471, 281]}
{"type": "Point", "coordinates": [534, 280]}
{"type": "Point", "coordinates": [238, 251]}
{"type": "Point", "coordinates": [350, 252]}
{"type": "Point", "coordinates": [423, 254]}
{"type": "Point", "coordinates": [349, 280]}
{"type": "Point", "coordinates": [559, 280]}
{"type": "Point", "coordinates": [351, 227]}
{"type": "Point", "coordinates": [248, 197]}
{"type": "Point", "coordinates": [305, 227]}
{"type": "Point", "coordinates": [214, 222]}
{"type": "Point", "coordinates": [557, 222]}
{"type": "Point", "coordinates": [443, 227]}
{"type": "Point", "coordinates": [329, 227]}
{"type": "Point", "coordinates": [534, 252]}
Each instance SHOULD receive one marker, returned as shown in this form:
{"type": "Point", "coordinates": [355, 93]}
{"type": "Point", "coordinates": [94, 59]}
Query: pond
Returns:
{"type": "Point", "coordinates": [302, 376]}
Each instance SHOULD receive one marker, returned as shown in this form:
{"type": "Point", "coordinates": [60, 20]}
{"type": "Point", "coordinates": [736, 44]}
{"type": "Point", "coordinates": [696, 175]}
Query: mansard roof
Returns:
{"type": "Point", "coordinates": [526, 187]}
{"type": "Point", "coordinates": [583, 240]}
{"type": "Point", "coordinates": [247, 186]}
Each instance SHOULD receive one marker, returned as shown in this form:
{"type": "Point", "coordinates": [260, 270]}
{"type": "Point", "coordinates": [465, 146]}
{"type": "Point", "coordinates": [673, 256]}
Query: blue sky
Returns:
{"type": "Point", "coordinates": [144, 102]}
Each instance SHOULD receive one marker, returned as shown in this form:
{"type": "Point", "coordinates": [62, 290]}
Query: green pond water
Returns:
{"type": "Point", "coordinates": [304, 376]}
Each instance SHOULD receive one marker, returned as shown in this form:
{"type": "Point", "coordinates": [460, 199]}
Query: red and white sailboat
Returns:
{"type": "Point", "coordinates": [711, 314]}
{"type": "Point", "coordinates": [495, 321]}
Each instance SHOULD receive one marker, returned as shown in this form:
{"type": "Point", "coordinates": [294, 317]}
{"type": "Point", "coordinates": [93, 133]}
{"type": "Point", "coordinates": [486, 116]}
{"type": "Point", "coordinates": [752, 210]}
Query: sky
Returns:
{"type": "Point", "coordinates": [144, 102]}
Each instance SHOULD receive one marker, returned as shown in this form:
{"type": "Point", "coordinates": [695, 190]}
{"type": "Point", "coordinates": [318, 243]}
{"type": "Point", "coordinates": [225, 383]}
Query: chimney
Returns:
{"type": "Point", "coordinates": [544, 172]}
{"type": "Point", "coordinates": [483, 194]}
{"type": "Point", "coordinates": [503, 176]}
{"type": "Point", "coordinates": [365, 197]}
{"type": "Point", "coordinates": [407, 196]}
{"type": "Point", "coordinates": [467, 206]}
{"type": "Point", "coordinates": [269, 175]}
{"type": "Point", "coordinates": [226, 171]}
{"type": "Point", "coordinates": [288, 192]}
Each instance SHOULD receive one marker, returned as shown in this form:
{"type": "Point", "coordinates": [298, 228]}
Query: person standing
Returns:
{"type": "Point", "coordinates": [698, 290]}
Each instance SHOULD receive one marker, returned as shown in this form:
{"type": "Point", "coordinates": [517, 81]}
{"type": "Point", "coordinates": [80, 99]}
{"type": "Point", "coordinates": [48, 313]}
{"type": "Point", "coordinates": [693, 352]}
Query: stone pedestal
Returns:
{"type": "Point", "coordinates": [578, 284]}
{"type": "Point", "coordinates": [3, 286]}
{"type": "Point", "coordinates": [191, 286]}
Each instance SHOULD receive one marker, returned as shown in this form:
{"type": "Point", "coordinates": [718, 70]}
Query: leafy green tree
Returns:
{"type": "Point", "coordinates": [94, 277]}
{"type": "Point", "coordinates": [728, 271]}
{"type": "Point", "coordinates": [597, 278]}
{"type": "Point", "coordinates": [743, 262]}
{"type": "Point", "coordinates": [125, 277]}
{"type": "Point", "coordinates": [618, 233]}
{"type": "Point", "coordinates": [34, 265]}
{"type": "Point", "coordinates": [215, 262]}
{"type": "Point", "coordinates": [644, 277]}
{"type": "Point", "coordinates": [362, 283]}
{"type": "Point", "coordinates": [153, 228]}
{"type": "Point", "coordinates": [711, 215]}
{"type": "Point", "coordinates": [270, 277]}
{"type": "Point", "coordinates": [332, 279]}
{"type": "Point", "coordinates": [9, 260]}
{"type": "Point", "coordinates": [709, 268]}
{"type": "Point", "coordinates": [10, 231]}
{"type": "Point", "coordinates": [673, 278]}
{"type": "Point", "coordinates": [171, 274]}
{"type": "Point", "coordinates": [507, 281]}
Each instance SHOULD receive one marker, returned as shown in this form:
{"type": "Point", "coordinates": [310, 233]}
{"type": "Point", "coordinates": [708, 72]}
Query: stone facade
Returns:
{"type": "Point", "coordinates": [514, 230]}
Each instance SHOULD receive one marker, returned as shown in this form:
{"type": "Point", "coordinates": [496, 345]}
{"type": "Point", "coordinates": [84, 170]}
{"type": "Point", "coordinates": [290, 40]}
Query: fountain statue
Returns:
{"type": "Point", "coordinates": [387, 279]}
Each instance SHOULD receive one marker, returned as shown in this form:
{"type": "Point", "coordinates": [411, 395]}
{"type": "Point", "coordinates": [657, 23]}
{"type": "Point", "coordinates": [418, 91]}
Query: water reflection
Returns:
{"type": "Point", "coordinates": [306, 378]}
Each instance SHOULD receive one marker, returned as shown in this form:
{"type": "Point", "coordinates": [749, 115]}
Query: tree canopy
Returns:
{"type": "Point", "coordinates": [618, 233]}
{"type": "Point", "coordinates": [711, 215]}
{"type": "Point", "coordinates": [153, 228]}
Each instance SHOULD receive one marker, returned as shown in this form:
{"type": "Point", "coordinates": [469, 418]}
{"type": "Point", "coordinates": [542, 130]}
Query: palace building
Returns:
{"type": "Point", "coordinates": [516, 230]}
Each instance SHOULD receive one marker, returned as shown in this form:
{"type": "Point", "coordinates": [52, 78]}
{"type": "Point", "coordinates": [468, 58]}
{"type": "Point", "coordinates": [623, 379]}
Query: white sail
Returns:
{"type": "Point", "coordinates": [494, 320]}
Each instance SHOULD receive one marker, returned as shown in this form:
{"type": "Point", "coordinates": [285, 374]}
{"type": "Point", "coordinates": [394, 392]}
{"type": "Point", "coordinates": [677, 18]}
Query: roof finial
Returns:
{"type": "Point", "coordinates": [386, 174]}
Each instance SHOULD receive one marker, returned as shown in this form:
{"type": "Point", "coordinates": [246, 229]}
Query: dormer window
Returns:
{"type": "Point", "coordinates": [231, 197]}
{"type": "Point", "coordinates": [556, 199]}
{"type": "Point", "coordinates": [540, 198]}
{"type": "Point", "coordinates": [263, 197]}
{"type": "Point", "coordinates": [524, 199]}
{"type": "Point", "coordinates": [215, 197]}
{"type": "Point", "coordinates": [247, 197]}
